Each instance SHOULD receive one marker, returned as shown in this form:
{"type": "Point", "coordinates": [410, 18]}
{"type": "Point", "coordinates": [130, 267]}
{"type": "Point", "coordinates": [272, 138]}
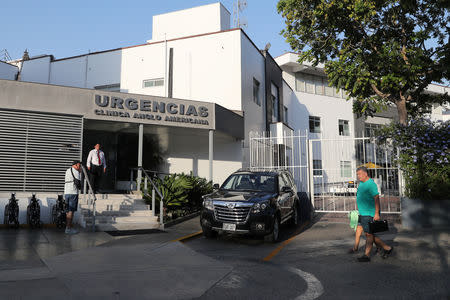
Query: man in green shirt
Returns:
{"type": "Point", "coordinates": [368, 201]}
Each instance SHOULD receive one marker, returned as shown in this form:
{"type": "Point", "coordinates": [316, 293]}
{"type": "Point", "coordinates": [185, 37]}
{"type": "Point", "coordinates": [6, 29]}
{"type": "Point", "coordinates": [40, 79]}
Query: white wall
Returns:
{"type": "Point", "coordinates": [36, 70]}
{"type": "Point", "coordinates": [141, 63]}
{"type": "Point", "coordinates": [102, 69]}
{"type": "Point", "coordinates": [69, 72]}
{"type": "Point", "coordinates": [188, 153]}
{"type": "Point", "coordinates": [192, 21]}
{"type": "Point", "coordinates": [335, 148]}
{"type": "Point", "coordinates": [205, 68]}
{"type": "Point", "coordinates": [8, 71]}
{"type": "Point", "coordinates": [252, 66]}
{"type": "Point", "coordinates": [329, 109]}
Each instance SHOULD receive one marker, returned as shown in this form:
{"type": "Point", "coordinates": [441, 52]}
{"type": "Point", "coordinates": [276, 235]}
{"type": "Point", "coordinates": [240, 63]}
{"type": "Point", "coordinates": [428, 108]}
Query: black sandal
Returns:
{"type": "Point", "coordinates": [364, 258]}
{"type": "Point", "coordinates": [352, 251]}
{"type": "Point", "coordinates": [386, 253]}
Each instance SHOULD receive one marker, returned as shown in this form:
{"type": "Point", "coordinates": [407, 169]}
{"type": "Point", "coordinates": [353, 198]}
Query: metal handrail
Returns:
{"type": "Point", "coordinates": [161, 197]}
{"type": "Point", "coordinates": [90, 190]}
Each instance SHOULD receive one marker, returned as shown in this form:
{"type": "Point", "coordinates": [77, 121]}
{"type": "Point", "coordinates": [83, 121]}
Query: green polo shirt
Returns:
{"type": "Point", "coordinates": [364, 197]}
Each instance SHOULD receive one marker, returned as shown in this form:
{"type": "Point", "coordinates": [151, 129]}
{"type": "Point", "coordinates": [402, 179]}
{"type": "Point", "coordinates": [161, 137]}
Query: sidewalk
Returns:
{"type": "Point", "coordinates": [422, 246]}
{"type": "Point", "coordinates": [47, 264]}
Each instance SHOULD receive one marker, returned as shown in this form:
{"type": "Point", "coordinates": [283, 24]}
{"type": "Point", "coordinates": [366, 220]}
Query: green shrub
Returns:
{"type": "Point", "coordinates": [424, 156]}
{"type": "Point", "coordinates": [182, 193]}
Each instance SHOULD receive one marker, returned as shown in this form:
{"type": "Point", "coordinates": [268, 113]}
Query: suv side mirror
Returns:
{"type": "Point", "coordinates": [286, 189]}
{"type": "Point", "coordinates": [215, 186]}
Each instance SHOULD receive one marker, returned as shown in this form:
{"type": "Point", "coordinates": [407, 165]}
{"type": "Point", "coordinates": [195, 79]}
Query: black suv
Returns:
{"type": "Point", "coordinates": [254, 202]}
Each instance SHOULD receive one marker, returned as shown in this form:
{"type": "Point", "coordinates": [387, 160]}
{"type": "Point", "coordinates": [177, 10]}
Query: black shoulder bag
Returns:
{"type": "Point", "coordinates": [378, 226]}
{"type": "Point", "coordinates": [76, 182]}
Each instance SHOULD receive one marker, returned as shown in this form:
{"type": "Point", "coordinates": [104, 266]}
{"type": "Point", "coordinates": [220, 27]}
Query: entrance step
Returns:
{"type": "Point", "coordinates": [118, 212]}
{"type": "Point", "coordinates": [123, 226]}
{"type": "Point", "coordinates": [116, 207]}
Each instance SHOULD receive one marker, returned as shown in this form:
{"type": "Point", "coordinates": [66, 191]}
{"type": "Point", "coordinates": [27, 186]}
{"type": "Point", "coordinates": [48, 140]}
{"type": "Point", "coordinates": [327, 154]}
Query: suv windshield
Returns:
{"type": "Point", "coordinates": [250, 182]}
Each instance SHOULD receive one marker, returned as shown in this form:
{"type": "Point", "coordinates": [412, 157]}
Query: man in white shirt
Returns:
{"type": "Point", "coordinates": [96, 164]}
{"type": "Point", "coordinates": [72, 186]}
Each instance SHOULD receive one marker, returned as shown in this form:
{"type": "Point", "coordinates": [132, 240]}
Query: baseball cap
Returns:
{"type": "Point", "coordinates": [76, 162]}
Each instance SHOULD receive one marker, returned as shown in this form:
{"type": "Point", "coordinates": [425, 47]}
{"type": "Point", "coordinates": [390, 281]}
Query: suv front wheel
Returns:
{"type": "Point", "coordinates": [294, 221]}
{"type": "Point", "coordinates": [275, 235]}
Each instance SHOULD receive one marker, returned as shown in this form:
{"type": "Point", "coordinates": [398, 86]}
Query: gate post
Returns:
{"type": "Point", "coordinates": [311, 172]}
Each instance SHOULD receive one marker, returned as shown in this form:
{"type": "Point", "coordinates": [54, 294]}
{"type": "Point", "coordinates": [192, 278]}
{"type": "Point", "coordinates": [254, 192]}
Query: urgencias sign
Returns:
{"type": "Point", "coordinates": [150, 110]}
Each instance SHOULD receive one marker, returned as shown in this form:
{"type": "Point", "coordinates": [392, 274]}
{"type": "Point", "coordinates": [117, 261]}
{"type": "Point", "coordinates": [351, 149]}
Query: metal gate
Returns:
{"type": "Point", "coordinates": [288, 152]}
{"type": "Point", "coordinates": [326, 168]}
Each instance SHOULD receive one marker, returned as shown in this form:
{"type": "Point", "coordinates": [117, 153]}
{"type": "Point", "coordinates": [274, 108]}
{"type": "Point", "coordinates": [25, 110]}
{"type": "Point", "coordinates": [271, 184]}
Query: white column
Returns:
{"type": "Point", "coordinates": [211, 153]}
{"type": "Point", "coordinates": [140, 150]}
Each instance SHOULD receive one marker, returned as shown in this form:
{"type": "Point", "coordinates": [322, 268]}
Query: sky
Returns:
{"type": "Point", "coordinates": [67, 28]}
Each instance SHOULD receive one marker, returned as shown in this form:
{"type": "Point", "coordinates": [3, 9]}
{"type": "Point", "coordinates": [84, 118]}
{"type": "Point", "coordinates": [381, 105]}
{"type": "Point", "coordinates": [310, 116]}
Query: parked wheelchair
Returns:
{"type": "Point", "coordinates": [11, 217]}
{"type": "Point", "coordinates": [59, 212]}
{"type": "Point", "coordinates": [34, 213]}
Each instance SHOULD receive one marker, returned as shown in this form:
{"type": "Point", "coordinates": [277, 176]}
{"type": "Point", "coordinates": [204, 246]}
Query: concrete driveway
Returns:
{"type": "Point", "coordinates": [309, 263]}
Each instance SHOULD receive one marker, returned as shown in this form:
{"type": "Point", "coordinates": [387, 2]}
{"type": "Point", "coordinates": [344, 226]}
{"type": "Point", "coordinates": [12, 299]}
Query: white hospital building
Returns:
{"type": "Point", "coordinates": [187, 100]}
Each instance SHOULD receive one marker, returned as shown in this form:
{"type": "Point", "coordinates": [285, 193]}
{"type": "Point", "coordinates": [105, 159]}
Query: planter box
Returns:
{"type": "Point", "coordinates": [418, 213]}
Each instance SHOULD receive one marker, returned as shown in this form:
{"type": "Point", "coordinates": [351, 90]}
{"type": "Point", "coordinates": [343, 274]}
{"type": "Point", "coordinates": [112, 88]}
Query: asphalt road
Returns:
{"type": "Point", "coordinates": [313, 264]}
{"type": "Point", "coordinates": [309, 263]}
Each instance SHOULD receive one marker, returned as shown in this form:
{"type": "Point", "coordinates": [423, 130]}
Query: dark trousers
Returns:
{"type": "Point", "coordinates": [96, 174]}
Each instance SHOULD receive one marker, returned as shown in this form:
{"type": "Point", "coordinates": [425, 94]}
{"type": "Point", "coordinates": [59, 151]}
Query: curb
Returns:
{"type": "Point", "coordinates": [3, 226]}
{"type": "Point", "coordinates": [188, 237]}
{"type": "Point", "coordinates": [181, 219]}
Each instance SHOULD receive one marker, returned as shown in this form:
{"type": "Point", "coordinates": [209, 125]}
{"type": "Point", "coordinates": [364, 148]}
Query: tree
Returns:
{"type": "Point", "coordinates": [379, 51]}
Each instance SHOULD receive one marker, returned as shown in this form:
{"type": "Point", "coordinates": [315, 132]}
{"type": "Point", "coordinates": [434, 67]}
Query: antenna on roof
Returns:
{"type": "Point", "coordinates": [4, 55]}
{"type": "Point", "coordinates": [239, 7]}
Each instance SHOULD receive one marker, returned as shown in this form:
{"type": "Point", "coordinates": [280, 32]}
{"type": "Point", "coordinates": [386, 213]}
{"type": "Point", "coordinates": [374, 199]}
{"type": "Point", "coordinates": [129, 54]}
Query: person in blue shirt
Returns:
{"type": "Point", "coordinates": [368, 201]}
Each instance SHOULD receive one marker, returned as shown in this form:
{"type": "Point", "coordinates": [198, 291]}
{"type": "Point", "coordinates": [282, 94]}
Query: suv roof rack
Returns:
{"type": "Point", "coordinates": [261, 169]}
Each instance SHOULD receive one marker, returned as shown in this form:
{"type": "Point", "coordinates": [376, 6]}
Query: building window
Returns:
{"type": "Point", "coordinates": [115, 87]}
{"type": "Point", "coordinates": [317, 167]}
{"type": "Point", "coordinates": [153, 82]}
{"type": "Point", "coordinates": [285, 114]}
{"type": "Point", "coordinates": [344, 128]}
{"type": "Point", "coordinates": [370, 129]}
{"type": "Point", "coordinates": [318, 82]}
{"type": "Point", "coordinates": [299, 82]}
{"type": "Point", "coordinates": [328, 89]}
{"type": "Point", "coordinates": [309, 80]}
{"type": "Point", "coordinates": [314, 124]}
{"type": "Point", "coordinates": [275, 103]}
{"type": "Point", "coordinates": [314, 84]}
{"type": "Point", "coordinates": [256, 92]}
{"type": "Point", "coordinates": [346, 169]}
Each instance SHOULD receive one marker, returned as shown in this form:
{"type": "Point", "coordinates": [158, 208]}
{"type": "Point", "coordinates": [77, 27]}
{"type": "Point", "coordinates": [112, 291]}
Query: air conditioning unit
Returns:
{"type": "Point", "coordinates": [282, 133]}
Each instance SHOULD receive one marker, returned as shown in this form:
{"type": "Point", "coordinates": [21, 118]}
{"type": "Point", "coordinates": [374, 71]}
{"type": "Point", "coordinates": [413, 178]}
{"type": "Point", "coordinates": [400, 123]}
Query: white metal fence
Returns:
{"type": "Point", "coordinates": [288, 152]}
{"type": "Point", "coordinates": [326, 168]}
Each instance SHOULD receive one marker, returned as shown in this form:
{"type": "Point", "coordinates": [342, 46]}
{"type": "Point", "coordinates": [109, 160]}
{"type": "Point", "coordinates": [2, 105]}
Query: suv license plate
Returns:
{"type": "Point", "coordinates": [229, 227]}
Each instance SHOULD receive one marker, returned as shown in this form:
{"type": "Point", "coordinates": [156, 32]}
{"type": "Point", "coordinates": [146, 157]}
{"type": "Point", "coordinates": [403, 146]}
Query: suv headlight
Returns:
{"type": "Point", "coordinates": [258, 207]}
{"type": "Point", "coordinates": [208, 204]}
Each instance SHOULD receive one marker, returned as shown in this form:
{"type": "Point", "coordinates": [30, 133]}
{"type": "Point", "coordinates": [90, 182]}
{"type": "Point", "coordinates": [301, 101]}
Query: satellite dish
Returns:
{"type": "Point", "coordinates": [267, 47]}
{"type": "Point", "coordinates": [244, 23]}
{"type": "Point", "coordinates": [242, 4]}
